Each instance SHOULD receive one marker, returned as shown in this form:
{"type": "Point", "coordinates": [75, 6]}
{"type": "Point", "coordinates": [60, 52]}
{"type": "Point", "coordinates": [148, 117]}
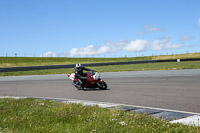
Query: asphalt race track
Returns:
{"type": "Point", "coordinates": [174, 89]}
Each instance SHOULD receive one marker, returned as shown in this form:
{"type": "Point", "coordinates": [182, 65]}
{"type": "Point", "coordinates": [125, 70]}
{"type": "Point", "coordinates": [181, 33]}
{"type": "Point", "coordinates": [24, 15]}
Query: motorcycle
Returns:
{"type": "Point", "coordinates": [93, 81]}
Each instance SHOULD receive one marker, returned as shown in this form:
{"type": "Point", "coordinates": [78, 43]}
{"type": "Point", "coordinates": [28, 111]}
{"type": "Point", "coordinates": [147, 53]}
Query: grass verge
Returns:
{"type": "Point", "coordinates": [39, 61]}
{"type": "Point", "coordinates": [116, 68]}
{"type": "Point", "coordinates": [32, 115]}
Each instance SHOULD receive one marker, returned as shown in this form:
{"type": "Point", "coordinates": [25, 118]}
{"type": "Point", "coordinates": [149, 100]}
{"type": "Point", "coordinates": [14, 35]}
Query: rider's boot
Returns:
{"type": "Point", "coordinates": [80, 83]}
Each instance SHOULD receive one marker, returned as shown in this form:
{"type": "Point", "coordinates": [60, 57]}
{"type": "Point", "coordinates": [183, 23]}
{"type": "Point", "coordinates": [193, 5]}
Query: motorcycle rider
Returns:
{"type": "Point", "coordinates": [79, 74]}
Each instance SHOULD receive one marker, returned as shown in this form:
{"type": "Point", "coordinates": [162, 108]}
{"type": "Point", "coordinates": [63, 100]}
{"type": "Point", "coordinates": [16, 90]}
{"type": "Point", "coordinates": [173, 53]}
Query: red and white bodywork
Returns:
{"type": "Point", "coordinates": [94, 80]}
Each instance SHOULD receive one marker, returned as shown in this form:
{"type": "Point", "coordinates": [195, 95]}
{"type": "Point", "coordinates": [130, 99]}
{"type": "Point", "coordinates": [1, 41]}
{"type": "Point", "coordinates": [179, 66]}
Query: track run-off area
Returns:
{"type": "Point", "coordinates": [167, 89]}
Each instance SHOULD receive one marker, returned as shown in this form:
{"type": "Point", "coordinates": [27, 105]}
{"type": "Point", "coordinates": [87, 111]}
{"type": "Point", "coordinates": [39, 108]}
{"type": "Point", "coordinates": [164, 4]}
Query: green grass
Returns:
{"type": "Point", "coordinates": [38, 61]}
{"type": "Point", "coordinates": [177, 56]}
{"type": "Point", "coordinates": [31, 115]}
{"type": "Point", "coordinates": [116, 68]}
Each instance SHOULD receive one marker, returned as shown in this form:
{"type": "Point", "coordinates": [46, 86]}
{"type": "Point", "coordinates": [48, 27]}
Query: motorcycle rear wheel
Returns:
{"type": "Point", "coordinates": [102, 85]}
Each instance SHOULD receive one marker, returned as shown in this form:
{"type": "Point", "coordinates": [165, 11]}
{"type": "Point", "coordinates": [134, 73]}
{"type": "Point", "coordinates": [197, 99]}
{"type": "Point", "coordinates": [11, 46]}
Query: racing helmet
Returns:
{"type": "Point", "coordinates": [78, 65]}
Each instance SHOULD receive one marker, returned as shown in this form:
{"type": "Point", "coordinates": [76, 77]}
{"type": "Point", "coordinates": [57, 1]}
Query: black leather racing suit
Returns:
{"type": "Point", "coordinates": [79, 74]}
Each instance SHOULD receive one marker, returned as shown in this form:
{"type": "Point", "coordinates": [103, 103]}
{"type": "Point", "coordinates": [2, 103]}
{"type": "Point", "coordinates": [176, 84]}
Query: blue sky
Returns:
{"type": "Point", "coordinates": [100, 28]}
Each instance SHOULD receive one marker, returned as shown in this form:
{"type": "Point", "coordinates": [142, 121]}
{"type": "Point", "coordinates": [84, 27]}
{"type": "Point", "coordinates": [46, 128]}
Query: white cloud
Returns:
{"type": "Point", "coordinates": [136, 46]}
{"type": "Point", "coordinates": [148, 29]}
{"type": "Point", "coordinates": [164, 43]}
{"type": "Point", "coordinates": [186, 38]}
{"type": "Point", "coordinates": [109, 47]}
{"type": "Point", "coordinates": [89, 50]}
{"type": "Point", "coordinates": [49, 54]}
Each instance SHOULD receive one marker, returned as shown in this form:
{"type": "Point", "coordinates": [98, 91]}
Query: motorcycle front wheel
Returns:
{"type": "Point", "coordinates": [102, 85]}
